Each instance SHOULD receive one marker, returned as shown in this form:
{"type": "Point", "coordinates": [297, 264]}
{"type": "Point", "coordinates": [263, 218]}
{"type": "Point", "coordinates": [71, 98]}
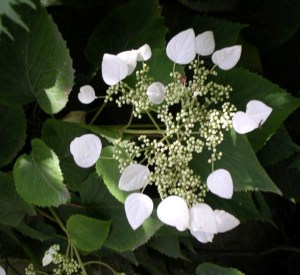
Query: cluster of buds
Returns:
{"type": "Point", "coordinates": [189, 115]}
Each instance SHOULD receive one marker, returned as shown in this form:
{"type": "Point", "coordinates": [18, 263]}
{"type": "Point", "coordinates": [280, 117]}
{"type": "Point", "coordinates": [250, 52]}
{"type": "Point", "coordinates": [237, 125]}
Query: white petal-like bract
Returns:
{"type": "Point", "coordinates": [47, 259]}
{"type": "Point", "coordinates": [134, 177]}
{"type": "Point", "coordinates": [138, 208]}
{"type": "Point", "coordinates": [202, 237]}
{"type": "Point", "coordinates": [256, 114]}
{"type": "Point", "coordinates": [202, 218]}
{"type": "Point", "coordinates": [174, 211]}
{"type": "Point", "coordinates": [86, 150]}
{"type": "Point", "coordinates": [227, 58]}
{"type": "Point", "coordinates": [205, 43]}
{"type": "Point", "coordinates": [2, 271]}
{"type": "Point", "coordinates": [114, 69]}
{"type": "Point", "coordinates": [220, 183]}
{"type": "Point", "coordinates": [144, 53]}
{"type": "Point", "coordinates": [225, 221]}
{"type": "Point", "coordinates": [130, 58]}
{"type": "Point", "coordinates": [86, 94]}
{"type": "Point", "coordinates": [156, 92]}
{"type": "Point", "coordinates": [181, 48]}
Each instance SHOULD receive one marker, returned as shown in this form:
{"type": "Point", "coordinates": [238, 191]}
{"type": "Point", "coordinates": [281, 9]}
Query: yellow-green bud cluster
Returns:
{"type": "Point", "coordinates": [192, 117]}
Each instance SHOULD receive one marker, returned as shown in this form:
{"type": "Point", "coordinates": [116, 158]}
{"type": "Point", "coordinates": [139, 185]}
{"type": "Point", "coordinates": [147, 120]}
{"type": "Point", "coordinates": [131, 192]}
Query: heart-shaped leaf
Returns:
{"type": "Point", "coordinates": [227, 58]}
{"type": "Point", "coordinates": [174, 211]}
{"type": "Point", "coordinates": [38, 177]}
{"type": "Point", "coordinates": [220, 183]}
{"type": "Point", "coordinates": [138, 208]}
{"type": "Point", "coordinates": [114, 69]}
{"type": "Point", "coordinates": [181, 48]}
{"type": "Point", "coordinates": [205, 43]}
{"type": "Point", "coordinates": [134, 177]}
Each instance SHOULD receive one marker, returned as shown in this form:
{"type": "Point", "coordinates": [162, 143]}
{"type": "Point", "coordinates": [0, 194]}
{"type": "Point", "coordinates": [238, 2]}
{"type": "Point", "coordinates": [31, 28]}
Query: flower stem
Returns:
{"type": "Point", "coordinates": [79, 259]}
{"type": "Point", "coordinates": [156, 125]}
{"type": "Point", "coordinates": [101, 263]}
{"type": "Point", "coordinates": [98, 113]}
{"type": "Point", "coordinates": [58, 220]}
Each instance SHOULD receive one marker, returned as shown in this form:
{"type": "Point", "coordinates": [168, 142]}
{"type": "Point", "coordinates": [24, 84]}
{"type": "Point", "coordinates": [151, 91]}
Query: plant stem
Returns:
{"type": "Point", "coordinates": [58, 220]}
{"type": "Point", "coordinates": [156, 125]}
{"type": "Point", "coordinates": [98, 113]}
{"type": "Point", "coordinates": [101, 263]}
{"type": "Point", "coordinates": [79, 259]}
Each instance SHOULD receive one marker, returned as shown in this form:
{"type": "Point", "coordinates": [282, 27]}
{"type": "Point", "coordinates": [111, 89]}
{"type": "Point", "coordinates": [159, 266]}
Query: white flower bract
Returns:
{"type": "Point", "coordinates": [114, 69]}
{"type": "Point", "coordinates": [86, 150]}
{"type": "Point", "coordinates": [130, 58]}
{"type": "Point", "coordinates": [86, 94]}
{"type": "Point", "coordinates": [220, 183]}
{"type": "Point", "coordinates": [225, 221]}
{"type": "Point", "coordinates": [144, 53]}
{"type": "Point", "coordinates": [255, 116]}
{"type": "Point", "coordinates": [2, 271]}
{"type": "Point", "coordinates": [156, 92]}
{"type": "Point", "coordinates": [227, 58]}
{"type": "Point", "coordinates": [205, 43]}
{"type": "Point", "coordinates": [202, 237]}
{"type": "Point", "coordinates": [181, 48]}
{"type": "Point", "coordinates": [174, 211]}
{"type": "Point", "coordinates": [134, 177]}
{"type": "Point", "coordinates": [48, 257]}
{"type": "Point", "coordinates": [138, 207]}
{"type": "Point", "coordinates": [202, 218]}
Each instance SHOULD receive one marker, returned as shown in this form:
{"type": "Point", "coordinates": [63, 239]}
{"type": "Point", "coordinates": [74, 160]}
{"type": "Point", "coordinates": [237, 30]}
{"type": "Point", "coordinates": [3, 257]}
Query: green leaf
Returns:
{"type": "Point", "coordinates": [38, 177]}
{"type": "Point", "coordinates": [130, 27]}
{"type": "Point", "coordinates": [100, 202]}
{"type": "Point", "coordinates": [247, 86]}
{"type": "Point", "coordinates": [58, 136]}
{"type": "Point", "coordinates": [240, 160]}
{"type": "Point", "coordinates": [279, 147]}
{"type": "Point", "coordinates": [212, 269]}
{"type": "Point", "coordinates": [7, 9]}
{"type": "Point", "coordinates": [32, 232]}
{"type": "Point", "coordinates": [12, 133]}
{"type": "Point", "coordinates": [108, 169]}
{"type": "Point", "coordinates": [88, 234]}
{"type": "Point", "coordinates": [36, 66]}
{"type": "Point", "coordinates": [12, 207]}
{"type": "Point", "coordinates": [166, 244]}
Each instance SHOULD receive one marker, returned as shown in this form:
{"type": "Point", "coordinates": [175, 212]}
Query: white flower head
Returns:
{"type": "Point", "coordinates": [114, 69]}
{"type": "Point", "coordinates": [181, 48]}
{"type": "Point", "coordinates": [138, 208]}
{"type": "Point", "coordinates": [144, 53]}
{"type": "Point", "coordinates": [48, 257]}
{"type": "Point", "coordinates": [130, 58]}
{"type": "Point", "coordinates": [220, 183]}
{"type": "Point", "coordinates": [205, 43]}
{"type": "Point", "coordinates": [2, 271]}
{"type": "Point", "coordinates": [225, 221]}
{"type": "Point", "coordinates": [86, 150]}
{"type": "Point", "coordinates": [255, 116]}
{"type": "Point", "coordinates": [86, 94]}
{"type": "Point", "coordinates": [227, 58]}
{"type": "Point", "coordinates": [174, 211]}
{"type": "Point", "coordinates": [134, 177]}
{"type": "Point", "coordinates": [156, 92]}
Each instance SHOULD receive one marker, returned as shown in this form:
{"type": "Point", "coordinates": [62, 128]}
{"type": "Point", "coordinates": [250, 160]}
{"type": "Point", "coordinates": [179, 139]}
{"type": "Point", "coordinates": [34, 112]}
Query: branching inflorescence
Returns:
{"type": "Point", "coordinates": [188, 115]}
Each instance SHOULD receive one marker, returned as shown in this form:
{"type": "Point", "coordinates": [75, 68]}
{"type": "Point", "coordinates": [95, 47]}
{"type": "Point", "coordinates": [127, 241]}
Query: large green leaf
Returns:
{"type": "Point", "coordinates": [107, 168]}
{"type": "Point", "coordinates": [87, 233]}
{"type": "Point", "coordinates": [58, 136]}
{"type": "Point", "coordinates": [12, 207]}
{"type": "Point", "coordinates": [12, 132]}
{"type": "Point", "coordinates": [248, 86]}
{"type": "Point", "coordinates": [101, 203]}
{"type": "Point", "coordinates": [212, 269]}
{"type": "Point", "coordinates": [240, 160]}
{"type": "Point", "coordinates": [7, 9]}
{"type": "Point", "coordinates": [36, 66]}
{"type": "Point", "coordinates": [38, 177]}
{"type": "Point", "coordinates": [130, 26]}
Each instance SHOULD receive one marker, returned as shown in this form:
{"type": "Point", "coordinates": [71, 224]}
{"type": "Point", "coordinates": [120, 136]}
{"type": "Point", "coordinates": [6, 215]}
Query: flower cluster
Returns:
{"type": "Point", "coordinates": [64, 265]}
{"type": "Point", "coordinates": [188, 115]}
